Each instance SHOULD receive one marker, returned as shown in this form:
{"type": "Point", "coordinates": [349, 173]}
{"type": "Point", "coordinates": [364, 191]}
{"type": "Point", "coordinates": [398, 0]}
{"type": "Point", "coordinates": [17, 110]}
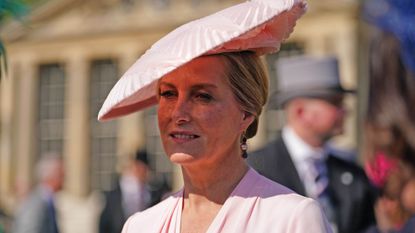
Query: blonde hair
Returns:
{"type": "Point", "coordinates": [248, 80]}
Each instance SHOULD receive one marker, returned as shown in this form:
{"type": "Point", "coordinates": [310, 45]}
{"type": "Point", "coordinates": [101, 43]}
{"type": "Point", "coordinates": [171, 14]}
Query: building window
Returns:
{"type": "Point", "coordinates": [196, 3]}
{"type": "Point", "coordinates": [160, 4]}
{"type": "Point", "coordinates": [51, 108]}
{"type": "Point", "coordinates": [104, 74]}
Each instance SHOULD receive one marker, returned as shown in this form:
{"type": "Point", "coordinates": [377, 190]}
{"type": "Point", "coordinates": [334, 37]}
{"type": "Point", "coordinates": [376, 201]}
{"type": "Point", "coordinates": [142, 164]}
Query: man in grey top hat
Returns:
{"type": "Point", "coordinates": [312, 98]}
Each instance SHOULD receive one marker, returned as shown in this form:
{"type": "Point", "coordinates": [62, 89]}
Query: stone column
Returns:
{"type": "Point", "coordinates": [347, 45]}
{"type": "Point", "coordinates": [131, 128]}
{"type": "Point", "coordinates": [27, 115]}
{"type": "Point", "coordinates": [260, 138]}
{"type": "Point", "coordinates": [7, 110]}
{"type": "Point", "coordinates": [77, 130]}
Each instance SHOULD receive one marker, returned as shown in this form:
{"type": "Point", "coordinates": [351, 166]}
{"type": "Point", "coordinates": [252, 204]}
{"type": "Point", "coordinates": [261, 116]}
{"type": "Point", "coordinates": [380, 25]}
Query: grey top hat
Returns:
{"type": "Point", "coordinates": [306, 76]}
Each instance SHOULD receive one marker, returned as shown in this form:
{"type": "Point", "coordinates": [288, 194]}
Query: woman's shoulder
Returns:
{"type": "Point", "coordinates": [274, 194]}
{"type": "Point", "coordinates": [153, 217]}
{"type": "Point", "coordinates": [289, 210]}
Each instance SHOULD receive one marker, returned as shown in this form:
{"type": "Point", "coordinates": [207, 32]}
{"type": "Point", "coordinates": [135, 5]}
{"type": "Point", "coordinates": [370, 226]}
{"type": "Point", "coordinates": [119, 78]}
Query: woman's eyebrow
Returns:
{"type": "Point", "coordinates": [162, 83]}
{"type": "Point", "coordinates": [204, 85]}
{"type": "Point", "coordinates": [196, 86]}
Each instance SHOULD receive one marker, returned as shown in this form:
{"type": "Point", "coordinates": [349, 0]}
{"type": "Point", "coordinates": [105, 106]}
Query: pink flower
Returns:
{"type": "Point", "coordinates": [379, 169]}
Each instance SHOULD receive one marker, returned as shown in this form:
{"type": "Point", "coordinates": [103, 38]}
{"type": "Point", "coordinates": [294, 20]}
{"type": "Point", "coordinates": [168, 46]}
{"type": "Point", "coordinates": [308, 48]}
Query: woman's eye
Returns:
{"type": "Point", "coordinates": [167, 94]}
{"type": "Point", "coordinates": [204, 97]}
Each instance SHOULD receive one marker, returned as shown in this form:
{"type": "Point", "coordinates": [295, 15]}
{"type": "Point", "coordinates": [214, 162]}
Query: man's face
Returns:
{"type": "Point", "coordinates": [56, 180]}
{"type": "Point", "coordinates": [325, 116]}
{"type": "Point", "coordinates": [140, 170]}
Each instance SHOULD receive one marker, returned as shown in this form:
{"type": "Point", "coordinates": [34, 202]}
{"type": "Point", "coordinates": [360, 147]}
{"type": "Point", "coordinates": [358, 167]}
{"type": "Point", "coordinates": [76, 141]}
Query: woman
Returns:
{"type": "Point", "coordinates": [396, 200]}
{"type": "Point", "coordinates": [208, 107]}
{"type": "Point", "coordinates": [390, 126]}
{"type": "Point", "coordinates": [203, 117]}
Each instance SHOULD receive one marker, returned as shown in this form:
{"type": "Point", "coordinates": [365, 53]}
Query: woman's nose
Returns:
{"type": "Point", "coordinates": [181, 111]}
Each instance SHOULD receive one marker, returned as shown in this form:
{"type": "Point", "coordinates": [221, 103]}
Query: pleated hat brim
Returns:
{"type": "Point", "coordinates": [257, 25]}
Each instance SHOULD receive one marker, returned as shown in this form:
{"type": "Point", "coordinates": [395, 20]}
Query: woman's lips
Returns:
{"type": "Point", "coordinates": [183, 136]}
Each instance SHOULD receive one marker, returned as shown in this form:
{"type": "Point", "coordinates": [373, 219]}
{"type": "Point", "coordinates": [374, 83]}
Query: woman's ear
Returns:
{"type": "Point", "coordinates": [247, 119]}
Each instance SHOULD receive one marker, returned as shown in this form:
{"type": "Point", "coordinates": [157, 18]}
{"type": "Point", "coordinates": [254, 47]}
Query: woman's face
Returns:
{"type": "Point", "coordinates": [199, 118]}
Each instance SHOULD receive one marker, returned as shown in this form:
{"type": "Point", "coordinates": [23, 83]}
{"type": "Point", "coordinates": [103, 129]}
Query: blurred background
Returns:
{"type": "Point", "coordinates": [63, 57]}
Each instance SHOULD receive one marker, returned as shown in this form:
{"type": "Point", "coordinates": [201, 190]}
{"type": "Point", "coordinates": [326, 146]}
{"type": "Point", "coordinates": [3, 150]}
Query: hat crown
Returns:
{"type": "Point", "coordinates": [306, 76]}
{"type": "Point", "coordinates": [307, 73]}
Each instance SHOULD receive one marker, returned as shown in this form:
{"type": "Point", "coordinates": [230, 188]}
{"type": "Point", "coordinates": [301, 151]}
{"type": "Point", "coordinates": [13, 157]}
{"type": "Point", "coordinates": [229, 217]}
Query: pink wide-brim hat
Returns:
{"type": "Point", "coordinates": [256, 25]}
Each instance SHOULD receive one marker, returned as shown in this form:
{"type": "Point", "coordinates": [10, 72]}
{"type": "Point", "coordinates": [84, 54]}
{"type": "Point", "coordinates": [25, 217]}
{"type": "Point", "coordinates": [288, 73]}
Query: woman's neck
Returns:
{"type": "Point", "coordinates": [213, 183]}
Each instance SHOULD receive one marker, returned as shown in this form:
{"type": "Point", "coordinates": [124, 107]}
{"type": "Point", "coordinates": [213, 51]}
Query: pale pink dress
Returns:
{"type": "Point", "coordinates": [257, 205]}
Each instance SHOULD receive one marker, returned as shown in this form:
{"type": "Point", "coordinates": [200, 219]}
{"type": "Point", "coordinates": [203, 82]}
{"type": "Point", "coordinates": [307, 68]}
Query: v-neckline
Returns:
{"type": "Point", "coordinates": [222, 210]}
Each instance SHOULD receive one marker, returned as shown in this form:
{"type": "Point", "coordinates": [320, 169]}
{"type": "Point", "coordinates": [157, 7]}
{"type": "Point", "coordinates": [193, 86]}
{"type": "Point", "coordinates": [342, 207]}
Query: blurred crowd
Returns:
{"type": "Point", "coordinates": [134, 191]}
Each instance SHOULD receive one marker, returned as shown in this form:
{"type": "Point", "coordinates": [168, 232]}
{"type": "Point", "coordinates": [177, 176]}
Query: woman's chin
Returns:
{"type": "Point", "coordinates": [181, 158]}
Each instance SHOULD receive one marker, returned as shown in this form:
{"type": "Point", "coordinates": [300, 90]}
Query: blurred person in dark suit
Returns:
{"type": "Point", "coordinates": [132, 194]}
{"type": "Point", "coordinates": [312, 98]}
{"type": "Point", "coordinates": [37, 214]}
{"type": "Point", "coordinates": [5, 221]}
{"type": "Point", "coordinates": [2, 220]}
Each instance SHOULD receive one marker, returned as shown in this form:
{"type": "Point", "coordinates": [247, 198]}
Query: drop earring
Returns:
{"type": "Point", "coordinates": [244, 146]}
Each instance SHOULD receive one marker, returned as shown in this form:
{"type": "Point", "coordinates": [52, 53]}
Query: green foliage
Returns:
{"type": "Point", "coordinates": [10, 9]}
{"type": "Point", "coordinates": [13, 8]}
{"type": "Point", "coordinates": [3, 61]}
